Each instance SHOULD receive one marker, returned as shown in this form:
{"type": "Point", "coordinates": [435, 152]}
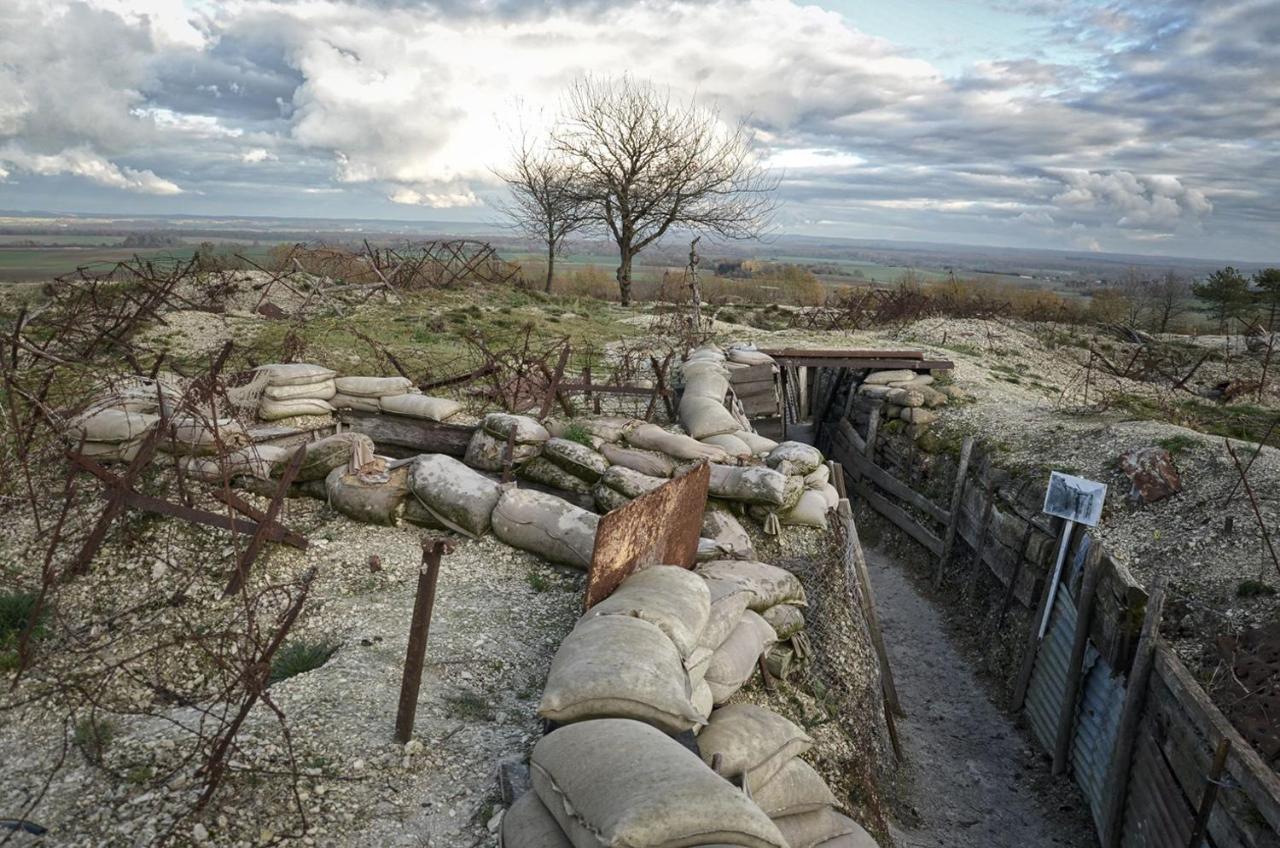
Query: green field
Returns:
{"type": "Point", "coordinates": [46, 263]}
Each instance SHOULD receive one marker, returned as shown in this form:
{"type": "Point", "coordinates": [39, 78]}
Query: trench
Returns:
{"type": "Point", "coordinates": [972, 777]}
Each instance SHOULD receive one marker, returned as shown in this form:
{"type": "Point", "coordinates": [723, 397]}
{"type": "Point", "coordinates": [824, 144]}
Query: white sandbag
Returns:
{"type": "Point", "coordinates": [818, 478]}
{"type": "Point", "coordinates": [758, 443]}
{"type": "Point", "coordinates": [734, 661]}
{"type": "Point", "coordinates": [750, 484]}
{"type": "Point", "coordinates": [810, 511]}
{"type": "Point", "coordinates": [111, 451]}
{"type": "Point", "coordinates": [785, 619]}
{"type": "Point", "coordinates": [548, 526]}
{"type": "Point", "coordinates": [753, 742]}
{"type": "Point", "coordinates": [652, 437]}
{"type": "Point", "coordinates": [728, 602]}
{"type": "Point", "coordinates": [875, 392]}
{"type": "Point", "coordinates": [831, 495]}
{"type": "Point", "coordinates": [373, 502]}
{"type": "Point", "coordinates": [608, 428]}
{"type": "Point", "coordinates": [541, 470]}
{"type": "Point", "coordinates": [622, 783]}
{"type": "Point", "coordinates": [321, 390]}
{"type": "Point", "coordinates": [697, 662]}
{"type": "Point", "coordinates": [647, 462]}
{"type": "Point", "coordinates": [359, 404]}
{"type": "Point", "coordinates": [703, 417]}
{"type": "Point", "coordinates": [274, 410]}
{"type": "Point", "coordinates": [703, 701]}
{"type": "Point", "coordinates": [111, 426]}
{"type": "Point", "coordinates": [912, 415]}
{"type": "Point", "coordinates": [420, 406]}
{"type": "Point", "coordinates": [918, 381]}
{"type": "Point", "coordinates": [749, 356]}
{"type": "Point", "coordinates": [905, 397]}
{"type": "Point", "coordinates": [296, 374]}
{"type": "Point", "coordinates": [324, 455]}
{"type": "Point", "coordinates": [193, 435]}
{"type": "Point", "coordinates": [728, 533]}
{"type": "Point", "coordinates": [767, 584]}
{"type": "Point", "coordinates": [529, 824]}
{"type": "Point", "coordinates": [528, 431]}
{"type": "Point", "coordinates": [607, 500]}
{"type": "Point", "coordinates": [794, 458]}
{"type": "Point", "coordinates": [633, 484]}
{"type": "Point", "coordinates": [794, 788]}
{"type": "Point", "coordinates": [579, 460]}
{"type": "Point", "coordinates": [615, 666]}
{"type": "Point", "coordinates": [734, 446]}
{"type": "Point", "coordinates": [674, 599]}
{"type": "Point", "coordinates": [372, 387]}
{"type": "Point", "coordinates": [883, 378]}
{"type": "Point", "coordinates": [487, 453]}
{"type": "Point", "coordinates": [710, 383]}
{"type": "Point", "coordinates": [823, 828]}
{"type": "Point", "coordinates": [250, 461]}
{"type": "Point", "coordinates": [454, 492]}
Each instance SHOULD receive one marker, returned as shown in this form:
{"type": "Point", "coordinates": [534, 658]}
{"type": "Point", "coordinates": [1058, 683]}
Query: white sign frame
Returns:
{"type": "Point", "coordinates": [1074, 498]}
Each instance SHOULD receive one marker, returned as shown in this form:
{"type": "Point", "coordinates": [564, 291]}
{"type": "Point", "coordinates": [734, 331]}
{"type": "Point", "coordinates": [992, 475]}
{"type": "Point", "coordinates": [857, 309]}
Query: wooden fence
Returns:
{"type": "Point", "coordinates": [1161, 766]}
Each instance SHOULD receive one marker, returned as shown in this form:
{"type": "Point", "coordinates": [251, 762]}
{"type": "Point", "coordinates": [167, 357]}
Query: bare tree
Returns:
{"type": "Point", "coordinates": [649, 164]}
{"type": "Point", "coordinates": [546, 203]}
{"type": "Point", "coordinates": [1171, 296]}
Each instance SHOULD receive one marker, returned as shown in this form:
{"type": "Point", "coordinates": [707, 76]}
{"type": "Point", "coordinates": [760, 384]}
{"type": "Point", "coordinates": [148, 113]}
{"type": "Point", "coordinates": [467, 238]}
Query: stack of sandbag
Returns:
{"type": "Point", "coordinates": [599, 430]}
{"type": "Point", "coordinates": [447, 495]}
{"type": "Point", "coordinates": [905, 394]}
{"type": "Point", "coordinates": [619, 485]}
{"type": "Point", "coordinates": [259, 462]}
{"type": "Point", "coordinates": [770, 601]}
{"type": "Point", "coordinates": [365, 394]}
{"type": "Point", "coordinates": [488, 445]}
{"type": "Point", "coordinates": [417, 405]}
{"type": "Point", "coordinates": [567, 465]}
{"type": "Point", "coordinates": [723, 537]}
{"type": "Point", "coordinates": [703, 413]}
{"type": "Point", "coordinates": [194, 435]}
{"type": "Point", "coordinates": [546, 525]}
{"type": "Point", "coordinates": [628, 655]}
{"type": "Point", "coordinates": [760, 750]}
{"type": "Point", "coordinates": [651, 437]}
{"type": "Point", "coordinates": [297, 388]}
{"type": "Point", "coordinates": [807, 473]}
{"type": "Point", "coordinates": [110, 434]}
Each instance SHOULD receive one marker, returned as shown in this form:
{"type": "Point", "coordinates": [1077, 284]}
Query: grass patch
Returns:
{"type": "Point", "coordinates": [538, 582]}
{"type": "Point", "coordinates": [16, 609]}
{"type": "Point", "coordinates": [577, 433]}
{"type": "Point", "coordinates": [93, 737]}
{"type": "Point", "coordinates": [1244, 421]}
{"type": "Point", "coordinates": [1254, 589]}
{"type": "Point", "coordinates": [1176, 445]}
{"type": "Point", "coordinates": [299, 658]}
{"type": "Point", "coordinates": [468, 706]}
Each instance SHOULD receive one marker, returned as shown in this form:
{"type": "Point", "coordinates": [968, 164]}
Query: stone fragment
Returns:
{"type": "Point", "coordinates": [1152, 473]}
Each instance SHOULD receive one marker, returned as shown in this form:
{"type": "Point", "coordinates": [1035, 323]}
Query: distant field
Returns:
{"type": "Point", "coordinates": [44, 263]}
{"type": "Point", "coordinates": [60, 238]}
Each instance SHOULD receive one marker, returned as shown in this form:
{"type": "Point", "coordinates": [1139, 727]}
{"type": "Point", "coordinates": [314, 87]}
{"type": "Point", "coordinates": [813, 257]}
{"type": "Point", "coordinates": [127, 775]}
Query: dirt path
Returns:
{"type": "Point", "coordinates": [973, 779]}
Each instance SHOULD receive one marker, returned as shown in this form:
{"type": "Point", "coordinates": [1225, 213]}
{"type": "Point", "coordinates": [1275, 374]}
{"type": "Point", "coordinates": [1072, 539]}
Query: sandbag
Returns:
{"type": "Point", "coordinates": [111, 451]}
{"type": "Point", "coordinates": [274, 410]}
{"type": "Point", "coordinates": [324, 455]}
{"type": "Point", "coordinates": [528, 431]}
{"type": "Point", "coordinates": [785, 619]}
{"type": "Point", "coordinates": [548, 526]}
{"type": "Point", "coordinates": [653, 437]}
{"type": "Point", "coordinates": [379, 502]}
{"type": "Point", "coordinates": [420, 406]}
{"type": "Point", "coordinates": [633, 484]}
{"type": "Point", "coordinates": [696, 664]}
{"type": "Point", "coordinates": [794, 788]}
{"type": "Point", "coordinates": [615, 666]}
{"type": "Point", "coordinates": [486, 452]}
{"type": "Point", "coordinates": [752, 484]}
{"type": "Point", "coordinates": [711, 383]}
{"type": "Point", "coordinates": [758, 443]}
{"type": "Point", "coordinates": [614, 782]}
{"type": "Point", "coordinates": [191, 435]}
{"type": "Point", "coordinates": [883, 378]}
{"type": "Point", "coordinates": [768, 584]}
{"type": "Point", "coordinates": [359, 404]}
{"type": "Point", "coordinates": [296, 374]}
{"type": "Point", "coordinates": [672, 598]}
{"type": "Point", "coordinates": [372, 387]}
{"type": "Point", "coordinates": [607, 500]}
{"type": "Point", "coordinates": [732, 445]}
{"type": "Point", "coordinates": [818, 478]}
{"type": "Point", "coordinates": [579, 460]}
{"type": "Point", "coordinates": [830, 495]}
{"type": "Point", "coordinates": [111, 426]}
{"type": "Point", "coordinates": [728, 533]}
{"type": "Point", "coordinates": [905, 397]}
{"type": "Point", "coordinates": [703, 417]}
{"type": "Point", "coordinates": [753, 742]}
{"type": "Point", "coordinates": [251, 461]}
{"type": "Point", "coordinates": [749, 356]}
{"type": "Point", "coordinates": [809, 511]}
{"type": "Point", "coordinates": [728, 602]}
{"type": "Point", "coordinates": [322, 390]}
{"type": "Point", "coordinates": [734, 661]}
{"type": "Point", "coordinates": [647, 462]}
{"type": "Point", "coordinates": [917, 381]}
{"type": "Point", "coordinates": [703, 701]}
{"type": "Point", "coordinates": [823, 827]}
{"type": "Point", "coordinates": [529, 824]}
{"type": "Point", "coordinates": [794, 458]}
{"type": "Point", "coordinates": [541, 470]}
{"type": "Point", "coordinates": [453, 491]}
{"type": "Point", "coordinates": [875, 392]}
{"type": "Point", "coordinates": [911, 415]}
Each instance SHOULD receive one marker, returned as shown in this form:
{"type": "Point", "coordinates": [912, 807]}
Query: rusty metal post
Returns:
{"type": "Point", "coordinates": [432, 550]}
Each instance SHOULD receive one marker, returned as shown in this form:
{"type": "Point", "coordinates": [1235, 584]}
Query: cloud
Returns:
{"type": "Point", "coordinates": [413, 197]}
{"type": "Point", "coordinates": [1150, 201]}
{"type": "Point", "coordinates": [257, 154]}
{"type": "Point", "coordinates": [82, 162]}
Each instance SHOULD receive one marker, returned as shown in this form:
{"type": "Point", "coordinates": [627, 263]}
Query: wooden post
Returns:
{"type": "Point", "coordinates": [1210, 794]}
{"type": "Point", "coordinates": [420, 624]}
{"type": "Point", "coordinates": [1116, 787]}
{"type": "Point", "coordinates": [1084, 615]}
{"type": "Point", "coordinates": [508, 455]}
{"type": "Point", "coordinates": [855, 568]}
{"type": "Point", "coordinates": [953, 517]}
{"type": "Point", "coordinates": [782, 378]}
{"type": "Point", "coordinates": [1017, 574]}
{"type": "Point", "coordinates": [873, 428]}
{"type": "Point", "coordinates": [988, 492]}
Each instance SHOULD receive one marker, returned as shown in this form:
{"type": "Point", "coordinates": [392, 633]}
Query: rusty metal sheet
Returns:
{"type": "Point", "coordinates": [1097, 722]}
{"type": "Point", "coordinates": [1049, 676]}
{"type": "Point", "coordinates": [659, 527]}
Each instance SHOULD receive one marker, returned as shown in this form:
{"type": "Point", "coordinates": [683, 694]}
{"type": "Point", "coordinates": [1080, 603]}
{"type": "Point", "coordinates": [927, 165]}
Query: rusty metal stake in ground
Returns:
{"type": "Point", "coordinates": [432, 550]}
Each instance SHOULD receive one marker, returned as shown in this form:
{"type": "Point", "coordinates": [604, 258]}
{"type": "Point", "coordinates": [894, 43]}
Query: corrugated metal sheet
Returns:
{"type": "Point", "coordinates": [1049, 676]}
{"type": "Point", "coordinates": [1157, 814]}
{"type": "Point", "coordinates": [1097, 720]}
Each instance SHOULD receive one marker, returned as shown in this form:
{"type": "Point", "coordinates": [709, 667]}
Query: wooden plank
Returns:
{"type": "Point", "coordinates": [855, 566]}
{"type": "Point", "coordinates": [858, 364]}
{"type": "Point", "coordinates": [893, 486]}
{"type": "Point", "coordinates": [952, 517]}
{"type": "Point", "coordinates": [899, 517]}
{"type": "Point", "coordinates": [414, 433]}
{"type": "Point", "coordinates": [865, 353]}
{"type": "Point", "coordinates": [752, 374]}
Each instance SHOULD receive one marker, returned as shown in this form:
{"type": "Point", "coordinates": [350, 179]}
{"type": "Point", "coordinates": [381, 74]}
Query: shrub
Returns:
{"type": "Point", "coordinates": [93, 737]}
{"type": "Point", "coordinates": [300, 657]}
{"type": "Point", "coordinates": [577, 433]}
{"type": "Point", "coordinates": [16, 609]}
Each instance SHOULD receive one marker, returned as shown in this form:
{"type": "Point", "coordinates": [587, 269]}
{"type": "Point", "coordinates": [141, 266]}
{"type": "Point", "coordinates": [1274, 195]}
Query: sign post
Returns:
{"type": "Point", "coordinates": [1077, 501]}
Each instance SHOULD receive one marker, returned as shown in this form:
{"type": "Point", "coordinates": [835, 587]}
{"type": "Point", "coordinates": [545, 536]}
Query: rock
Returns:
{"type": "Point", "coordinates": [199, 833]}
{"type": "Point", "coordinates": [1152, 473]}
{"type": "Point", "coordinates": [413, 747]}
{"type": "Point", "coordinates": [916, 415]}
{"type": "Point", "coordinates": [513, 779]}
{"type": "Point", "coordinates": [873, 390]}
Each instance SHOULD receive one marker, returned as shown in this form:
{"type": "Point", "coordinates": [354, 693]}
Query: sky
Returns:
{"type": "Point", "coordinates": [1136, 126]}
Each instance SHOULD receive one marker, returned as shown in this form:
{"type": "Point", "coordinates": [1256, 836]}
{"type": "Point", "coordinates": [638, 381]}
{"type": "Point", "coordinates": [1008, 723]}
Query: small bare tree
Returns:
{"type": "Point", "coordinates": [1171, 300]}
{"type": "Point", "coordinates": [649, 164]}
{"type": "Point", "coordinates": [546, 203]}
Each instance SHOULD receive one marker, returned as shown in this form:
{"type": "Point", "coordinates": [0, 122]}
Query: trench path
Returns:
{"type": "Point", "coordinates": [973, 779]}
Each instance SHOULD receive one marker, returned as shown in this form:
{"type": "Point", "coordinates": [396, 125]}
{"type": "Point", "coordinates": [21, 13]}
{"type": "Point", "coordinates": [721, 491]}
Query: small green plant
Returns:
{"type": "Point", "coordinates": [16, 609]}
{"type": "Point", "coordinates": [538, 582]}
{"type": "Point", "coordinates": [577, 433]}
{"type": "Point", "coordinates": [1254, 589]}
{"type": "Point", "coordinates": [468, 706]}
{"type": "Point", "coordinates": [1176, 445]}
{"type": "Point", "coordinates": [93, 736]}
{"type": "Point", "coordinates": [300, 657]}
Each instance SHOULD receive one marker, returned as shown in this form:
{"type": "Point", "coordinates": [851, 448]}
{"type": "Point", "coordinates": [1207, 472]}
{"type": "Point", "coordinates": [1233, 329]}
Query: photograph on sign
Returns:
{"type": "Point", "coordinates": [1075, 498]}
